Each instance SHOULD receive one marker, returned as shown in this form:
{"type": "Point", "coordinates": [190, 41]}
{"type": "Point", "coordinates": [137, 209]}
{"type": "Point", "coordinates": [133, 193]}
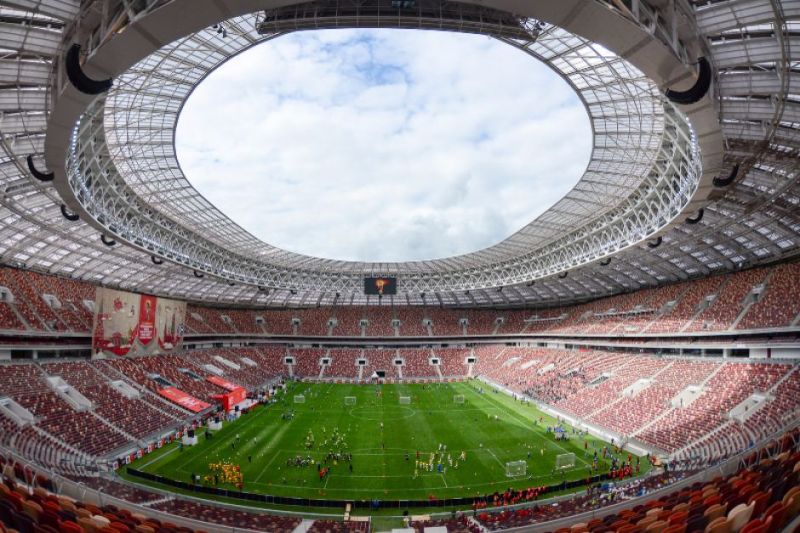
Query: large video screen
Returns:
{"type": "Point", "coordinates": [136, 324]}
{"type": "Point", "coordinates": [380, 286]}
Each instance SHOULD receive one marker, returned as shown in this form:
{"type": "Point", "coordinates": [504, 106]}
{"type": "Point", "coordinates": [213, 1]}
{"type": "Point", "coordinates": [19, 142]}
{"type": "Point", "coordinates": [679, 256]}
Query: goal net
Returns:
{"type": "Point", "coordinates": [405, 400]}
{"type": "Point", "coordinates": [299, 399]}
{"type": "Point", "coordinates": [516, 468]}
{"type": "Point", "coordinates": [458, 398]}
{"type": "Point", "coordinates": [565, 460]}
{"type": "Point", "coordinates": [349, 400]}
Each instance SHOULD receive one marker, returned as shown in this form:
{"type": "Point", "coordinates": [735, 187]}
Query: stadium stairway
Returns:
{"type": "Point", "coordinates": [108, 424]}
{"type": "Point", "coordinates": [303, 526]}
{"type": "Point", "coordinates": [19, 316]}
{"type": "Point", "coordinates": [704, 304]}
{"type": "Point", "coordinates": [323, 367]}
{"type": "Point", "coordinates": [157, 501]}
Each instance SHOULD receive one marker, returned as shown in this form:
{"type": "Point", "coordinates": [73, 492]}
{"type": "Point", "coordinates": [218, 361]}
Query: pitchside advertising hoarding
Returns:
{"type": "Point", "coordinates": [136, 324]}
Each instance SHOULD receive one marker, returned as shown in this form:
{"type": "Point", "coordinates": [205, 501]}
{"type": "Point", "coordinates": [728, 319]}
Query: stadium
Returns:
{"type": "Point", "coordinates": [621, 356]}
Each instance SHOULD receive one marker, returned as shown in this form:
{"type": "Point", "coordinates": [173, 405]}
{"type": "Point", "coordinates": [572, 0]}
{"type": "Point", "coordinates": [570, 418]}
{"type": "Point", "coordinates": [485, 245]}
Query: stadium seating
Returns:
{"type": "Point", "coordinates": [71, 295]}
{"type": "Point", "coordinates": [453, 361]}
{"type": "Point", "coordinates": [9, 318]}
{"type": "Point", "coordinates": [411, 321]}
{"type": "Point", "coordinates": [349, 319]}
{"type": "Point", "coordinates": [687, 306]}
{"type": "Point", "coordinates": [462, 524]}
{"type": "Point", "coordinates": [206, 320]}
{"type": "Point", "coordinates": [590, 385]}
{"type": "Point", "coordinates": [609, 391]}
{"type": "Point", "coordinates": [133, 416]}
{"type": "Point", "coordinates": [337, 526]}
{"type": "Point", "coordinates": [80, 430]}
{"type": "Point", "coordinates": [780, 305]}
{"type": "Point", "coordinates": [648, 308]}
{"type": "Point", "coordinates": [380, 321]}
{"type": "Point", "coordinates": [645, 311]}
{"type": "Point", "coordinates": [42, 448]}
{"type": "Point", "coordinates": [417, 363]}
{"type": "Point", "coordinates": [228, 517]}
{"type": "Point", "coordinates": [728, 387]}
{"type": "Point", "coordinates": [380, 360]}
{"type": "Point", "coordinates": [306, 361]}
{"type": "Point", "coordinates": [242, 321]}
{"type": "Point", "coordinates": [246, 375]}
{"type": "Point", "coordinates": [446, 322]}
{"type": "Point", "coordinates": [630, 413]}
{"type": "Point", "coordinates": [481, 322]}
{"type": "Point", "coordinates": [268, 359]}
{"type": "Point", "coordinates": [725, 309]}
{"type": "Point", "coordinates": [514, 322]}
{"type": "Point", "coordinates": [343, 364]}
{"type": "Point", "coordinates": [778, 412]}
{"type": "Point", "coordinates": [116, 489]}
{"type": "Point", "coordinates": [313, 321]}
{"type": "Point", "coordinates": [168, 367]}
{"type": "Point", "coordinates": [8, 279]}
{"type": "Point", "coordinates": [279, 322]}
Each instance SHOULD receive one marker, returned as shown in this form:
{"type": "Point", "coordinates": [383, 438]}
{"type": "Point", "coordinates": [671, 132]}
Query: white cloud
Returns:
{"type": "Point", "coordinates": [383, 145]}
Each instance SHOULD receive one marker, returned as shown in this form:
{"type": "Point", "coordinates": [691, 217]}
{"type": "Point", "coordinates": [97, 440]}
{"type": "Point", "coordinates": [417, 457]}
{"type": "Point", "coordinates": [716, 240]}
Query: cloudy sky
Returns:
{"type": "Point", "coordinates": [383, 145]}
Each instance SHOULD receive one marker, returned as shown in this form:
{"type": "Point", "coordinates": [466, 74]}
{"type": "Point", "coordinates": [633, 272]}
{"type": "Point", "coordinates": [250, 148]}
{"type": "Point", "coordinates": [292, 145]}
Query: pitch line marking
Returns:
{"type": "Point", "coordinates": [158, 458]}
{"type": "Point", "coordinates": [495, 457]}
{"type": "Point", "coordinates": [266, 467]}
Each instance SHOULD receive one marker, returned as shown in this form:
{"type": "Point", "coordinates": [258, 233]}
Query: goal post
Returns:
{"type": "Point", "coordinates": [349, 400]}
{"type": "Point", "coordinates": [299, 398]}
{"type": "Point", "coordinates": [405, 400]}
{"type": "Point", "coordinates": [565, 460]}
{"type": "Point", "coordinates": [516, 468]}
{"type": "Point", "coordinates": [458, 399]}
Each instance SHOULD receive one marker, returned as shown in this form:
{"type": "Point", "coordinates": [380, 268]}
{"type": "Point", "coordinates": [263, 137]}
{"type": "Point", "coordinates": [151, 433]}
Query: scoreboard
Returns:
{"type": "Point", "coordinates": [381, 286]}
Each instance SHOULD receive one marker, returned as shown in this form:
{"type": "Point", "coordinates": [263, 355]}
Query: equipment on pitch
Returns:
{"type": "Point", "coordinates": [299, 399]}
{"type": "Point", "coordinates": [565, 460]}
{"type": "Point", "coordinates": [458, 398]}
{"type": "Point", "coordinates": [405, 400]}
{"type": "Point", "coordinates": [516, 468]}
{"type": "Point", "coordinates": [349, 400]}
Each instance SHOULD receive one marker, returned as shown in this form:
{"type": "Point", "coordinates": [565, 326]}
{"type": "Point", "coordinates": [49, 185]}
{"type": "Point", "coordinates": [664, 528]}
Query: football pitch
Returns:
{"type": "Point", "coordinates": [281, 448]}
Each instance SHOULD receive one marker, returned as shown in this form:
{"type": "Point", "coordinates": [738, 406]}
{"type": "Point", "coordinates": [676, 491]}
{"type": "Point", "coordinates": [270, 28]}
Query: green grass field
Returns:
{"type": "Point", "coordinates": [383, 437]}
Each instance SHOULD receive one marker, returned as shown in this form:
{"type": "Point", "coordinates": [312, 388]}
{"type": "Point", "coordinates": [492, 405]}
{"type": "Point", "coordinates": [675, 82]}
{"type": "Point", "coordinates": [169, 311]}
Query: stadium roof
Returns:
{"type": "Point", "coordinates": [651, 169]}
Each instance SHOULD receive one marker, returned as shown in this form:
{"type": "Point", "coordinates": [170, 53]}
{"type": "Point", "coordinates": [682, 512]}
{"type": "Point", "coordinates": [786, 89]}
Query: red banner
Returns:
{"type": "Point", "coordinates": [184, 400]}
{"type": "Point", "coordinates": [147, 319]}
{"type": "Point", "coordinates": [127, 324]}
{"type": "Point", "coordinates": [222, 382]}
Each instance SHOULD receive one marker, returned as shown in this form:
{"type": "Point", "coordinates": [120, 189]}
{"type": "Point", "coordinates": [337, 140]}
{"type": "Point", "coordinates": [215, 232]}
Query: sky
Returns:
{"type": "Point", "coordinates": [383, 145]}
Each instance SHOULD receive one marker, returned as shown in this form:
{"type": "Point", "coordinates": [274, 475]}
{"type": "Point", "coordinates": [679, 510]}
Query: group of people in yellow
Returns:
{"type": "Point", "coordinates": [436, 461]}
{"type": "Point", "coordinates": [224, 472]}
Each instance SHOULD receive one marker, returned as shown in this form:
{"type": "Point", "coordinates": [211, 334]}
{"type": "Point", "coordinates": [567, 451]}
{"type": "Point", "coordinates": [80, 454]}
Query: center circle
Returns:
{"type": "Point", "coordinates": [383, 145]}
{"type": "Point", "coordinates": [386, 413]}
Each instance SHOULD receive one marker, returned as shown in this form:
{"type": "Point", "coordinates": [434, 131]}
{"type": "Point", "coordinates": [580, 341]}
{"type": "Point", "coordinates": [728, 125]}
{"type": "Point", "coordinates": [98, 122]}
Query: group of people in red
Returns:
{"type": "Point", "coordinates": [509, 497]}
{"type": "Point", "coordinates": [623, 469]}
